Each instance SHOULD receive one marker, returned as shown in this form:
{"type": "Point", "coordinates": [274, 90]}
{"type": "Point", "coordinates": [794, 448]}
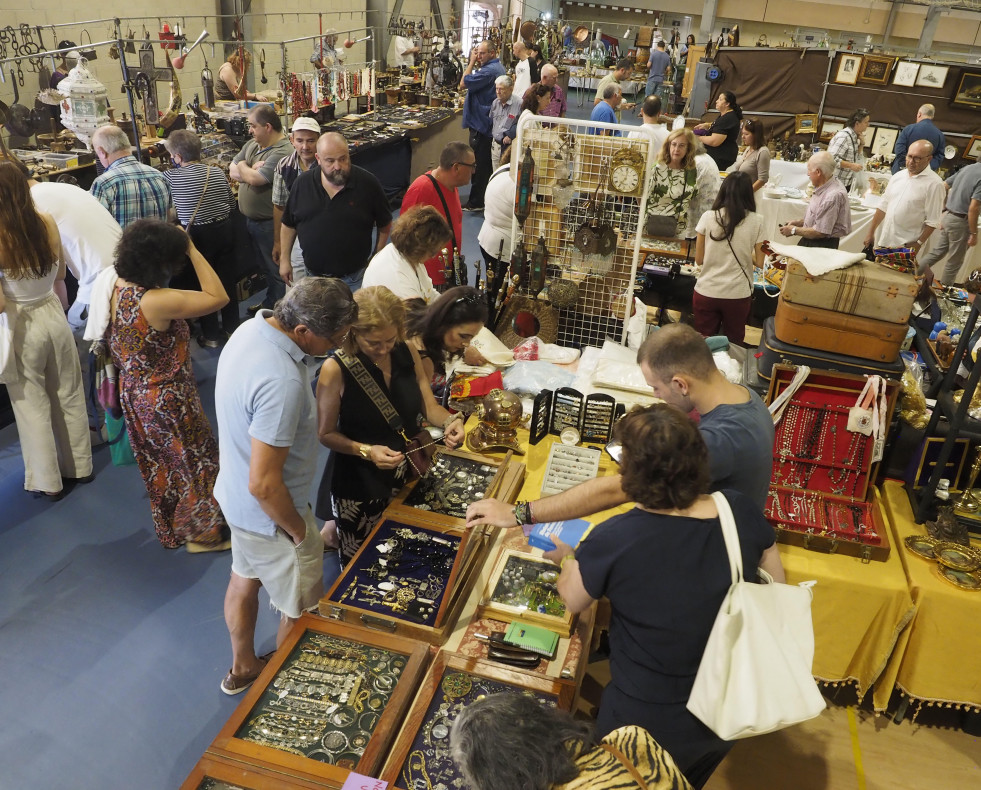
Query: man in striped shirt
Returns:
{"type": "Point", "coordinates": [304, 136]}
{"type": "Point", "coordinates": [129, 189]}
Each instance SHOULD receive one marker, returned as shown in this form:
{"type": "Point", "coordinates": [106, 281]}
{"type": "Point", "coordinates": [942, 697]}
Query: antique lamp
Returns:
{"type": "Point", "coordinates": [83, 110]}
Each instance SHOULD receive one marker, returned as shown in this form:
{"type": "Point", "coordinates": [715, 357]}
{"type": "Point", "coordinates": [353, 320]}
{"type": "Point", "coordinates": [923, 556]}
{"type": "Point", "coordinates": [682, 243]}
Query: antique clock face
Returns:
{"type": "Point", "coordinates": [627, 172]}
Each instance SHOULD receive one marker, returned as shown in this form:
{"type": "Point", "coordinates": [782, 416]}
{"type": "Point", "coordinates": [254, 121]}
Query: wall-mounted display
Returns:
{"type": "Point", "coordinates": [875, 69]}
{"type": "Point", "coordinates": [968, 93]}
{"type": "Point", "coordinates": [884, 141]}
{"type": "Point", "coordinates": [829, 129]}
{"type": "Point", "coordinates": [931, 76]}
{"type": "Point", "coordinates": [848, 68]}
{"type": "Point", "coordinates": [973, 150]}
{"type": "Point", "coordinates": [805, 123]}
{"type": "Point", "coordinates": [905, 75]}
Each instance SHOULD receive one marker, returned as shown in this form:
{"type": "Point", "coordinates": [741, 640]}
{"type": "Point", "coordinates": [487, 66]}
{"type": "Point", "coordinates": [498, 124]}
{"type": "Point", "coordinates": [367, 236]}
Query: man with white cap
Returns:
{"type": "Point", "coordinates": [304, 136]}
{"type": "Point", "coordinates": [325, 54]}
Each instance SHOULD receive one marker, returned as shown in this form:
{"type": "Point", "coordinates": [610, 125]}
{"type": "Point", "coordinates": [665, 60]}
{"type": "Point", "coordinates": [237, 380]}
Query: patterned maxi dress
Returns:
{"type": "Point", "coordinates": [175, 449]}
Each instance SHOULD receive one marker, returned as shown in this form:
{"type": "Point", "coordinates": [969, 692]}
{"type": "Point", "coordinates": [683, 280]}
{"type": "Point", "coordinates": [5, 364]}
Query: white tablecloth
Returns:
{"type": "Point", "coordinates": [776, 212]}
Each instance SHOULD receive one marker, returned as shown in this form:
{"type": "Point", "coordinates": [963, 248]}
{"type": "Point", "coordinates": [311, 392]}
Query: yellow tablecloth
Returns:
{"type": "Point", "coordinates": [939, 660]}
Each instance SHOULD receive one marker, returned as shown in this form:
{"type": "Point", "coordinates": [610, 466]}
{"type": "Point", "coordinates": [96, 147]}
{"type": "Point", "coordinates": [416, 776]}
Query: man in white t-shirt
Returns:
{"type": "Point", "coordinates": [650, 111]}
{"type": "Point", "coordinates": [405, 52]}
{"type": "Point", "coordinates": [522, 70]}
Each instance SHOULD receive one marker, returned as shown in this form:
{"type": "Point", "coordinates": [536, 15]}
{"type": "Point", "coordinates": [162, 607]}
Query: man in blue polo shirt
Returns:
{"type": "Point", "coordinates": [267, 426]}
{"type": "Point", "coordinates": [923, 129]}
{"type": "Point", "coordinates": [605, 111]}
{"type": "Point", "coordinates": [481, 73]}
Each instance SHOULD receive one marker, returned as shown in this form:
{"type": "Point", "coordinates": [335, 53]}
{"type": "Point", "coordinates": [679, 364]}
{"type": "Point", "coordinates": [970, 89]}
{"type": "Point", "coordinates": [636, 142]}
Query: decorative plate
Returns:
{"type": "Point", "coordinates": [961, 579]}
{"type": "Point", "coordinates": [950, 152]}
{"type": "Point", "coordinates": [922, 546]}
{"type": "Point", "coordinates": [956, 557]}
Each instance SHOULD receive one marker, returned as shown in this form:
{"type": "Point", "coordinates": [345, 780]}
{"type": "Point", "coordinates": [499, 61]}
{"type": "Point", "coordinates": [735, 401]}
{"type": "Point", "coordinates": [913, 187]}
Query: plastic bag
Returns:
{"type": "Point", "coordinates": [531, 377]}
{"type": "Point", "coordinates": [532, 349]}
{"type": "Point", "coordinates": [912, 402]}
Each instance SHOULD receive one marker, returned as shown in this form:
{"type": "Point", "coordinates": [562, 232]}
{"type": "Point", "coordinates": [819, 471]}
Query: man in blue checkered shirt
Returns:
{"type": "Point", "coordinates": [129, 189]}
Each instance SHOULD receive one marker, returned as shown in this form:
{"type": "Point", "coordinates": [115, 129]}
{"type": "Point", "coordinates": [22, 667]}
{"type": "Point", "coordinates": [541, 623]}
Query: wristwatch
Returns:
{"type": "Point", "coordinates": [365, 451]}
{"type": "Point", "coordinates": [793, 230]}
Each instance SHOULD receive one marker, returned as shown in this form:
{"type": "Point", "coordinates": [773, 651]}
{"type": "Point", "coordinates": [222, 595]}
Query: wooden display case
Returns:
{"type": "Point", "coordinates": [448, 508]}
{"type": "Point", "coordinates": [374, 591]}
{"type": "Point", "coordinates": [452, 682]}
{"type": "Point", "coordinates": [522, 587]}
{"type": "Point", "coordinates": [219, 773]}
{"type": "Point", "coordinates": [328, 703]}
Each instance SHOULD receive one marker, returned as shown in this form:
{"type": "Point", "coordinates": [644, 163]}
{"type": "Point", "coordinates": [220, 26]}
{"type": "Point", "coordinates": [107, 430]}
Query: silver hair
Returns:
{"type": "Point", "coordinates": [611, 90]}
{"type": "Point", "coordinates": [111, 139]}
{"type": "Point", "coordinates": [505, 81]}
{"type": "Point", "coordinates": [550, 67]}
{"type": "Point", "coordinates": [322, 304]}
{"type": "Point", "coordinates": [928, 110]}
{"type": "Point", "coordinates": [824, 162]}
{"type": "Point", "coordinates": [186, 144]}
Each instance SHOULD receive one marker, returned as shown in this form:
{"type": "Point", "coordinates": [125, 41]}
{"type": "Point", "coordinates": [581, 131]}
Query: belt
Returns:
{"type": "Point", "coordinates": [962, 216]}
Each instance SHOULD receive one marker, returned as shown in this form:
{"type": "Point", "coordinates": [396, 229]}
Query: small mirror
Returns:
{"type": "Point", "coordinates": [525, 324]}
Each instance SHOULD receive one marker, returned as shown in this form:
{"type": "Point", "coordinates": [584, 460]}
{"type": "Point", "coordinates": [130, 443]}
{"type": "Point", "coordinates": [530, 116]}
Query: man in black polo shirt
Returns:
{"type": "Point", "coordinates": [333, 210]}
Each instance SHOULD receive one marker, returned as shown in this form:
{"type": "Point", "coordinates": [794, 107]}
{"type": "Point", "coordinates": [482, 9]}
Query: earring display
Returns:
{"type": "Point", "coordinates": [597, 418]}
{"type": "Point", "coordinates": [569, 466]}
{"type": "Point", "coordinates": [567, 406]}
{"type": "Point", "coordinates": [540, 411]}
{"type": "Point", "coordinates": [421, 755]}
{"type": "Point", "coordinates": [522, 587]}
{"type": "Point", "coordinates": [327, 703]}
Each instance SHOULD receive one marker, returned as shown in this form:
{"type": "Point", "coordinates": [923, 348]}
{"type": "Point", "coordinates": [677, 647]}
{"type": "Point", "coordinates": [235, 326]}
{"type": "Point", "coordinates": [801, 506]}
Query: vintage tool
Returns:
{"type": "Point", "coordinates": [539, 262]}
{"type": "Point", "coordinates": [18, 116]}
{"type": "Point", "coordinates": [208, 85]}
{"type": "Point", "coordinates": [178, 62]}
{"type": "Point", "coordinates": [525, 187]}
{"type": "Point", "coordinates": [262, 66]}
{"type": "Point", "coordinates": [519, 262]}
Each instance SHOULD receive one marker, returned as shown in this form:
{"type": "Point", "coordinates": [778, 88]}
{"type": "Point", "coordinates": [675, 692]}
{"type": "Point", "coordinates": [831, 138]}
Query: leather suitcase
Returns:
{"type": "Point", "coordinates": [838, 333]}
{"type": "Point", "coordinates": [864, 289]}
{"type": "Point", "coordinates": [773, 351]}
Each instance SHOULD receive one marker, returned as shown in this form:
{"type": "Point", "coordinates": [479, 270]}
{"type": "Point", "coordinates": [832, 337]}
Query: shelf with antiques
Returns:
{"type": "Point", "coordinates": [327, 703]}
{"type": "Point", "coordinates": [421, 754]}
{"type": "Point", "coordinates": [453, 480]}
{"type": "Point", "coordinates": [826, 452]}
{"type": "Point", "coordinates": [410, 577]}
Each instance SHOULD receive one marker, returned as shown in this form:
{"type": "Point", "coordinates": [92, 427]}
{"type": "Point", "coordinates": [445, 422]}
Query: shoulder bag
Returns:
{"type": "Point", "coordinates": [420, 449]}
{"type": "Point", "coordinates": [755, 674]}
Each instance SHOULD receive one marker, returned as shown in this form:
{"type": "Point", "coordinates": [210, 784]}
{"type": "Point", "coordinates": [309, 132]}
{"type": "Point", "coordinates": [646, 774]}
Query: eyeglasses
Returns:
{"type": "Point", "coordinates": [337, 341]}
{"type": "Point", "coordinates": [472, 165]}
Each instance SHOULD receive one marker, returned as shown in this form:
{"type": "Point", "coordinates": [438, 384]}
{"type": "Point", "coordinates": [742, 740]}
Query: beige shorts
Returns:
{"type": "Point", "coordinates": [292, 575]}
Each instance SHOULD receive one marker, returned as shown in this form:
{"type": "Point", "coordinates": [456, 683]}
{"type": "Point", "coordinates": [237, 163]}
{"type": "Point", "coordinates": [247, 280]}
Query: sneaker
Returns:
{"type": "Point", "coordinates": [233, 684]}
{"type": "Point", "coordinates": [474, 209]}
{"type": "Point", "coordinates": [253, 309]}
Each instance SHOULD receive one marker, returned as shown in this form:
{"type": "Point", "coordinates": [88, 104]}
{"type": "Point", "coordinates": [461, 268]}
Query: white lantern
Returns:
{"type": "Point", "coordinates": [83, 110]}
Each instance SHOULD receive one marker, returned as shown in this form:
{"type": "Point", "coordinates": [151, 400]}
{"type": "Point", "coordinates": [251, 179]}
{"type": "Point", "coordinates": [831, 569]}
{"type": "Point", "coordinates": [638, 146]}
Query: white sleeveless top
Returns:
{"type": "Point", "coordinates": [27, 290]}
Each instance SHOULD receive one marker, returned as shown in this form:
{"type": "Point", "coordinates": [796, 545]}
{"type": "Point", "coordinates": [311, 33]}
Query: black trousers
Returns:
{"type": "Point", "coordinates": [828, 242]}
{"type": "Point", "coordinates": [216, 242]}
{"type": "Point", "coordinates": [481, 145]}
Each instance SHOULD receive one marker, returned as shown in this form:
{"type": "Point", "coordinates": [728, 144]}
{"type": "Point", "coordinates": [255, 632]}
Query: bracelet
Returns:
{"type": "Point", "coordinates": [451, 419]}
{"type": "Point", "coordinates": [565, 559]}
{"type": "Point", "coordinates": [522, 514]}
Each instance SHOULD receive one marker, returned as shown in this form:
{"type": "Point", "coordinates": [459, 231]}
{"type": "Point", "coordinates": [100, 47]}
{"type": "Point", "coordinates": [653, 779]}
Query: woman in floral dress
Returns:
{"type": "Point", "coordinates": [674, 180]}
{"type": "Point", "coordinates": [148, 335]}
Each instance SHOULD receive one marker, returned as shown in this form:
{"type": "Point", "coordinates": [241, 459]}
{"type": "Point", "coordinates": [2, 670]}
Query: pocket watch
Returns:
{"type": "Point", "coordinates": [627, 172]}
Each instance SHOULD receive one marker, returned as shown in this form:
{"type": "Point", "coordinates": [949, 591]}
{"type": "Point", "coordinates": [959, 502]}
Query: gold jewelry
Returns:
{"type": "Point", "coordinates": [365, 451]}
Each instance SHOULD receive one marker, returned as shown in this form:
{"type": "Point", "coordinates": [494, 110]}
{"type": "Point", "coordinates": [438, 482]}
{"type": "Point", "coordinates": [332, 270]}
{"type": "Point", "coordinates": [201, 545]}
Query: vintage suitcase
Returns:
{"type": "Point", "coordinates": [420, 757]}
{"type": "Point", "coordinates": [772, 352]}
{"type": "Point", "coordinates": [864, 289]}
{"type": "Point", "coordinates": [838, 333]}
{"type": "Point", "coordinates": [329, 702]}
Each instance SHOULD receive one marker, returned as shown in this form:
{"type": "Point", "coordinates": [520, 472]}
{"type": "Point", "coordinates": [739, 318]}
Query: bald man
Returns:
{"type": "Point", "coordinates": [558, 106]}
{"type": "Point", "coordinates": [828, 218]}
{"type": "Point", "coordinates": [334, 209]}
{"type": "Point", "coordinates": [923, 129]}
{"type": "Point", "coordinates": [911, 205]}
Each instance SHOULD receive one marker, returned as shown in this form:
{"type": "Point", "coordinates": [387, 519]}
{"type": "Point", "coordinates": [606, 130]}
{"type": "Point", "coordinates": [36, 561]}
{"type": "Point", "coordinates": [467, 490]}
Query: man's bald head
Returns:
{"type": "Point", "coordinates": [334, 158]}
{"type": "Point", "coordinates": [918, 156]}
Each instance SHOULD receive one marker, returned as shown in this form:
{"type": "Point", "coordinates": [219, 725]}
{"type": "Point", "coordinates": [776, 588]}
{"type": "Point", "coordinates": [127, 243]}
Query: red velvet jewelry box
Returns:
{"type": "Point", "coordinates": [822, 495]}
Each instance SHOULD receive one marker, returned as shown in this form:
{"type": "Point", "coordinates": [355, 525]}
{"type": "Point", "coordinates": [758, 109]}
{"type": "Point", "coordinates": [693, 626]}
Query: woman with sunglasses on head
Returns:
{"type": "Point", "coordinates": [442, 332]}
{"type": "Point", "coordinates": [369, 464]}
{"type": "Point", "coordinates": [755, 158]}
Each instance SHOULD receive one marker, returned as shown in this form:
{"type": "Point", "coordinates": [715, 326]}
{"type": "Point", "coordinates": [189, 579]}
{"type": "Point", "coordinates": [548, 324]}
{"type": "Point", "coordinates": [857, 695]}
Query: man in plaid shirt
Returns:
{"type": "Point", "coordinates": [129, 189]}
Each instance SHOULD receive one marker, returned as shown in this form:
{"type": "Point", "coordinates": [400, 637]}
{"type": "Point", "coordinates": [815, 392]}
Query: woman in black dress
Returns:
{"type": "Point", "coordinates": [368, 464]}
{"type": "Point", "coordinates": [721, 137]}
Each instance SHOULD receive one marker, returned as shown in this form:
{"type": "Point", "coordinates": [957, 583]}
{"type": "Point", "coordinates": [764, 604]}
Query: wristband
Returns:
{"type": "Point", "coordinates": [565, 559]}
{"type": "Point", "coordinates": [522, 514]}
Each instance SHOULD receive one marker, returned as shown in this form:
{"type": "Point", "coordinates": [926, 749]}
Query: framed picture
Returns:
{"type": "Point", "coordinates": [968, 93]}
{"type": "Point", "coordinates": [848, 68]}
{"type": "Point", "coordinates": [884, 141]}
{"type": "Point", "coordinates": [829, 129]}
{"type": "Point", "coordinates": [805, 123]}
{"type": "Point", "coordinates": [875, 69]}
{"type": "Point", "coordinates": [931, 76]}
{"type": "Point", "coordinates": [973, 150]}
{"type": "Point", "coordinates": [905, 74]}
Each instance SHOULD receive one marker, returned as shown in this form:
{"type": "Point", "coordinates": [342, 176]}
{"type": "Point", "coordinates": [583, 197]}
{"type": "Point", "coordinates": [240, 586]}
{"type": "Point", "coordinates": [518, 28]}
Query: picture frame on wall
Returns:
{"type": "Point", "coordinates": [931, 76]}
{"type": "Point", "coordinates": [905, 75]}
{"type": "Point", "coordinates": [805, 123]}
{"type": "Point", "coordinates": [848, 69]}
{"type": "Point", "coordinates": [973, 150]}
{"type": "Point", "coordinates": [968, 93]}
{"type": "Point", "coordinates": [829, 129]}
{"type": "Point", "coordinates": [884, 141]}
{"type": "Point", "coordinates": [875, 69]}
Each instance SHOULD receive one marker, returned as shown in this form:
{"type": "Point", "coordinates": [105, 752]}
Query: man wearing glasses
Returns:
{"type": "Point", "coordinates": [911, 205]}
{"type": "Point", "coordinates": [439, 189]}
{"type": "Point", "coordinates": [334, 210]}
{"type": "Point", "coordinates": [478, 79]}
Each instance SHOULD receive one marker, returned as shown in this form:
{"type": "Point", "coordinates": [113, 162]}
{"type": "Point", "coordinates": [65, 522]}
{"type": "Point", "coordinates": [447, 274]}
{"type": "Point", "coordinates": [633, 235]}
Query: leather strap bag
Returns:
{"type": "Point", "coordinates": [419, 449]}
{"type": "Point", "coordinates": [755, 674]}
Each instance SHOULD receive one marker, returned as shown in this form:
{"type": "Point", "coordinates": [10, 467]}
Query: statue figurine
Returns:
{"type": "Point", "coordinates": [947, 527]}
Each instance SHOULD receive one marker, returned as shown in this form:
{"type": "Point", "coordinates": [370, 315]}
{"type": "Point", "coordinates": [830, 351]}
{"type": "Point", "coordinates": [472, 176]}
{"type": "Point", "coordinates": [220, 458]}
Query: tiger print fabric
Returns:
{"type": "Point", "coordinates": [600, 769]}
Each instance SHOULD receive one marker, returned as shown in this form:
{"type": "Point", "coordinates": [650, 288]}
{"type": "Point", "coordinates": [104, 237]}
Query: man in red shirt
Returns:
{"type": "Point", "coordinates": [438, 188]}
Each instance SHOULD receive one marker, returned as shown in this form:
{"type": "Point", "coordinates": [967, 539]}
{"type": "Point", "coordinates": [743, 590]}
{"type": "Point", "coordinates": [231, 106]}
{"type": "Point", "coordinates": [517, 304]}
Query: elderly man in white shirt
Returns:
{"type": "Point", "coordinates": [912, 203]}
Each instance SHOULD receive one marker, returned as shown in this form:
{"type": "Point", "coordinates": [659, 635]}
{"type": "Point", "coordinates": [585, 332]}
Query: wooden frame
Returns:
{"type": "Point", "coordinates": [973, 148]}
{"type": "Point", "coordinates": [931, 75]}
{"type": "Point", "coordinates": [805, 123]}
{"type": "Point", "coordinates": [227, 745]}
{"type": "Point", "coordinates": [884, 141]}
{"type": "Point", "coordinates": [906, 72]}
{"type": "Point", "coordinates": [564, 693]}
{"type": "Point", "coordinates": [249, 777]}
{"type": "Point", "coordinates": [829, 129]}
{"type": "Point", "coordinates": [849, 66]}
{"type": "Point", "coordinates": [875, 69]}
{"type": "Point", "coordinates": [968, 93]}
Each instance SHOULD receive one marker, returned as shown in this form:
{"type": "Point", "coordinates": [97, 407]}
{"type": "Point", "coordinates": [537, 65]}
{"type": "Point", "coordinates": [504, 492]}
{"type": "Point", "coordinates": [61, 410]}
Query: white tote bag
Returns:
{"type": "Point", "coordinates": [755, 675]}
{"type": "Point", "coordinates": [8, 365]}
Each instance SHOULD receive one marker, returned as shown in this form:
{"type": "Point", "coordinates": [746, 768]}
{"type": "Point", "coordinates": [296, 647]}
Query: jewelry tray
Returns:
{"type": "Point", "coordinates": [218, 773]}
{"type": "Point", "coordinates": [452, 682]}
{"type": "Point", "coordinates": [409, 577]}
{"type": "Point", "coordinates": [822, 495]}
{"type": "Point", "coordinates": [447, 505]}
{"type": "Point", "coordinates": [362, 681]}
{"type": "Point", "coordinates": [568, 466]}
{"type": "Point", "coordinates": [522, 587]}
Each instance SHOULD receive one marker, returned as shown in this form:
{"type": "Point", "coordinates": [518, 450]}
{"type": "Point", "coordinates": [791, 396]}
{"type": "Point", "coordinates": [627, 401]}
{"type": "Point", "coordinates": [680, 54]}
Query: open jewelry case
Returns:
{"type": "Point", "coordinates": [219, 773]}
{"type": "Point", "coordinates": [410, 577]}
{"type": "Point", "coordinates": [454, 480]}
{"type": "Point", "coordinates": [822, 495]}
{"type": "Point", "coordinates": [327, 703]}
{"type": "Point", "coordinates": [421, 754]}
{"type": "Point", "coordinates": [522, 587]}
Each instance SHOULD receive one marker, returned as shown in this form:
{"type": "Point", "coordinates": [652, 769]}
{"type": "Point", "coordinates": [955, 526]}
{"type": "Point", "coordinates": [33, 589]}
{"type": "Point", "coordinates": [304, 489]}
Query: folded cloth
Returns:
{"type": "Point", "coordinates": [818, 260]}
{"type": "Point", "coordinates": [99, 306]}
{"type": "Point", "coordinates": [491, 348]}
{"type": "Point", "coordinates": [467, 387]}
